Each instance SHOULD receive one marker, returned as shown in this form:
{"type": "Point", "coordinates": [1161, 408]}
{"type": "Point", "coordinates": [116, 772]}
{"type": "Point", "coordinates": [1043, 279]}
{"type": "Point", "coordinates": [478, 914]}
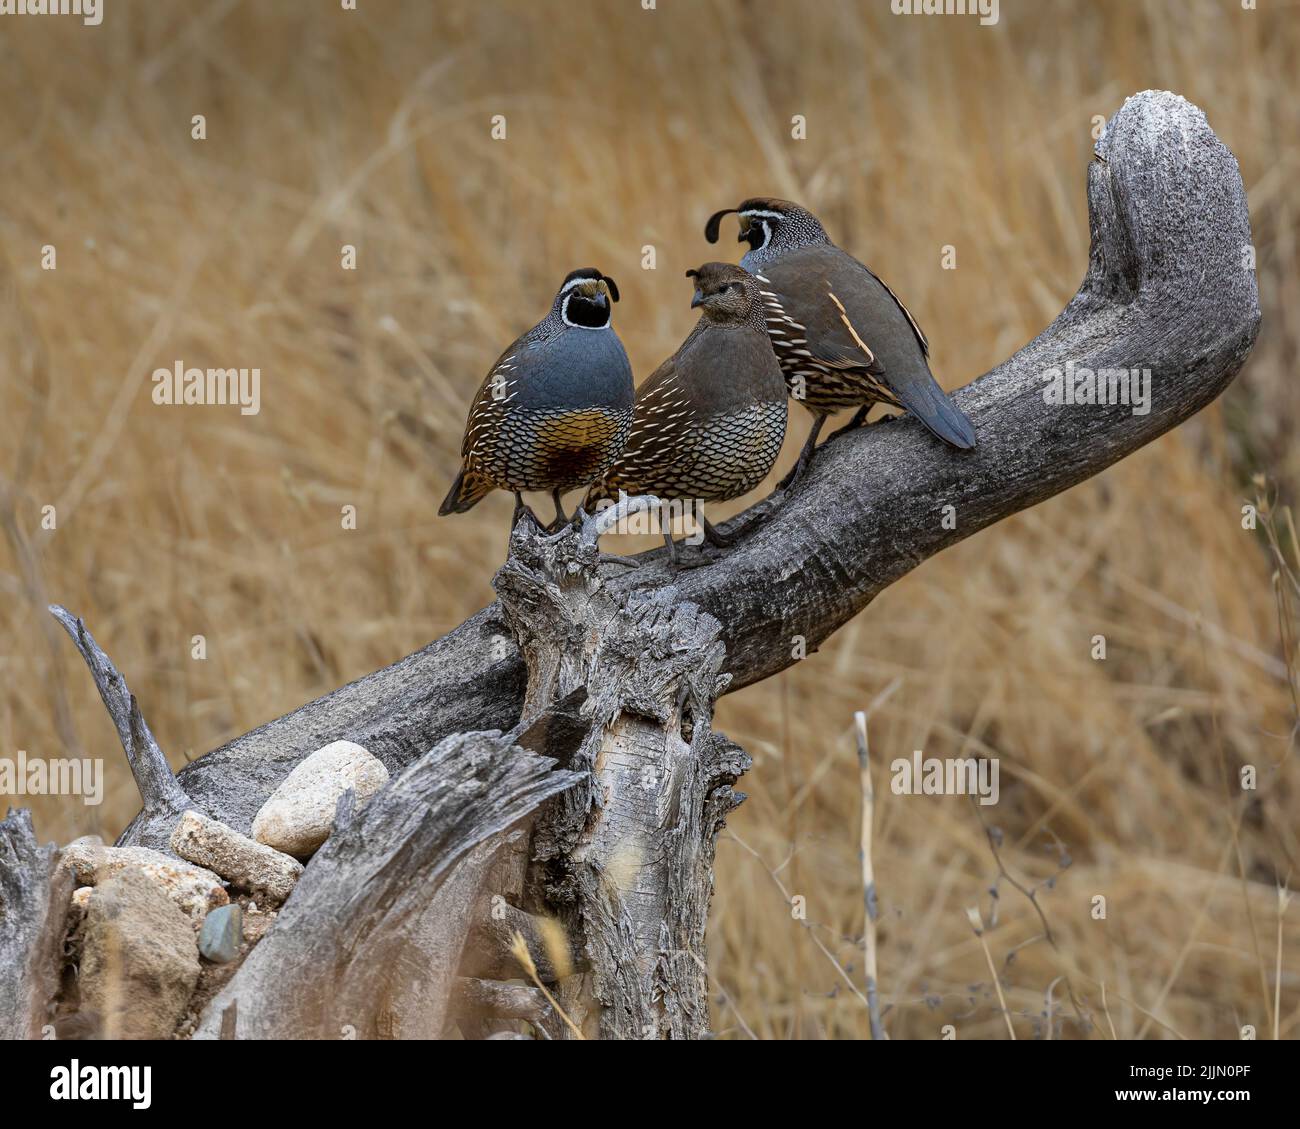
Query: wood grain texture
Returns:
{"type": "Point", "coordinates": [624, 860]}
{"type": "Point", "coordinates": [34, 897]}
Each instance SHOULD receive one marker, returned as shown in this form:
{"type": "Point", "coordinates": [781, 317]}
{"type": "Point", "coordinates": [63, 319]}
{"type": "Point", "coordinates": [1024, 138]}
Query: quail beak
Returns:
{"type": "Point", "coordinates": [745, 224]}
{"type": "Point", "coordinates": [697, 299]}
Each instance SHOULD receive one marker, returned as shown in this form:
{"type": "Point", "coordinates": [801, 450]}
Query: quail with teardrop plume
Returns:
{"type": "Point", "coordinates": [556, 409]}
{"type": "Point", "coordinates": [842, 336]}
{"type": "Point", "coordinates": [710, 420]}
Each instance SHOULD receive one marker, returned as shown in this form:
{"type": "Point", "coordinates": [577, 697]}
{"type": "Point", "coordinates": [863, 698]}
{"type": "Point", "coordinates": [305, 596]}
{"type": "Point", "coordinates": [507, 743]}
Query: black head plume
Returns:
{"type": "Point", "coordinates": [613, 288]}
{"type": "Point", "coordinates": [715, 220]}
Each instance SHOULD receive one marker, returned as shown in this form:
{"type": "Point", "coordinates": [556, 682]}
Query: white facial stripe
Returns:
{"type": "Point", "coordinates": [564, 314]}
{"type": "Point", "coordinates": [761, 219]}
{"type": "Point", "coordinates": [576, 283]}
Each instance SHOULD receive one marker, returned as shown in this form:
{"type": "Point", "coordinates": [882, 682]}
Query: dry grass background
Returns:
{"type": "Point", "coordinates": [627, 128]}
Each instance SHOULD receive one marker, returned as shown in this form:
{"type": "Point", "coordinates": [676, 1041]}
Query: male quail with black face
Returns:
{"type": "Point", "coordinates": [555, 409]}
{"type": "Point", "coordinates": [710, 420]}
{"type": "Point", "coordinates": [842, 336]}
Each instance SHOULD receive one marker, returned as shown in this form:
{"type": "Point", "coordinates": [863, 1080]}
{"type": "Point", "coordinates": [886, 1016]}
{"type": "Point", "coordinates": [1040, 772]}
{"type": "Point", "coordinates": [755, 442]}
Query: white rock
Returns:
{"type": "Point", "coordinates": [298, 815]}
{"type": "Point", "coordinates": [192, 888]}
{"type": "Point", "coordinates": [237, 858]}
{"type": "Point", "coordinates": [87, 841]}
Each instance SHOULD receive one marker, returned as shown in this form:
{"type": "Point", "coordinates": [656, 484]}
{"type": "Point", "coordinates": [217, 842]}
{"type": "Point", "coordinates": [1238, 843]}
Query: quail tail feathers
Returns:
{"type": "Point", "coordinates": [466, 492]}
{"type": "Point", "coordinates": [928, 402]}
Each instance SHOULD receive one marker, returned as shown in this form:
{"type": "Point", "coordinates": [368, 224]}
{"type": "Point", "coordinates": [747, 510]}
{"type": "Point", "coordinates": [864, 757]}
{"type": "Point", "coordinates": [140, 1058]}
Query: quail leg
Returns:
{"type": "Point", "coordinates": [677, 561]}
{"type": "Point", "coordinates": [561, 519]}
{"type": "Point", "coordinates": [805, 456]}
{"type": "Point", "coordinates": [713, 537]}
{"type": "Point", "coordinates": [859, 418]}
{"type": "Point", "coordinates": [520, 510]}
{"type": "Point", "coordinates": [672, 549]}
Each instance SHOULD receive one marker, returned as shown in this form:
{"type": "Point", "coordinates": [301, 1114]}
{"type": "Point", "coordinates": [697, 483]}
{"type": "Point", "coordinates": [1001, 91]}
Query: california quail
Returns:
{"type": "Point", "coordinates": [842, 336]}
{"type": "Point", "coordinates": [710, 420]}
{"type": "Point", "coordinates": [555, 409]}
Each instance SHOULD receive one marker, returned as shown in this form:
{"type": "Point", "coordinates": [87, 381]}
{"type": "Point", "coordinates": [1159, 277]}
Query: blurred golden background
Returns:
{"type": "Point", "coordinates": [625, 128]}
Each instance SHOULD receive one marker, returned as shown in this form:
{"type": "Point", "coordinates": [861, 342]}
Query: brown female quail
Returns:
{"type": "Point", "coordinates": [709, 422]}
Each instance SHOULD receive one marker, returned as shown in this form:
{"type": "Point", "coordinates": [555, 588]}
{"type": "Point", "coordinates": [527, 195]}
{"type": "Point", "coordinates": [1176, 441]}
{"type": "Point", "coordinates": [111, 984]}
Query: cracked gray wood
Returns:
{"type": "Point", "coordinates": [34, 898]}
{"type": "Point", "coordinates": [369, 943]}
{"type": "Point", "coordinates": [625, 859]}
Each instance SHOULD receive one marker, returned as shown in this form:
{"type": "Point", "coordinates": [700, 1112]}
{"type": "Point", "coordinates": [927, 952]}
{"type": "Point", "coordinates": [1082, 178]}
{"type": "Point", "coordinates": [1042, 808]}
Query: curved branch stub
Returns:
{"type": "Point", "coordinates": [161, 794]}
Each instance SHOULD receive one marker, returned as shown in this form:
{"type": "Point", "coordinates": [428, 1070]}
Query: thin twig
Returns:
{"type": "Point", "coordinates": [872, 907]}
{"type": "Point", "coordinates": [789, 900]}
{"type": "Point", "coordinates": [519, 947]}
{"type": "Point", "coordinates": [1283, 900]}
{"type": "Point", "coordinates": [1105, 1008]}
{"type": "Point", "coordinates": [973, 915]}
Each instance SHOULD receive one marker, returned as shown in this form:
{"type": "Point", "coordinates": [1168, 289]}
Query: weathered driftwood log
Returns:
{"type": "Point", "coordinates": [1169, 288]}
{"type": "Point", "coordinates": [369, 943]}
{"type": "Point", "coordinates": [34, 898]}
{"type": "Point", "coordinates": [618, 669]}
{"type": "Point", "coordinates": [626, 856]}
